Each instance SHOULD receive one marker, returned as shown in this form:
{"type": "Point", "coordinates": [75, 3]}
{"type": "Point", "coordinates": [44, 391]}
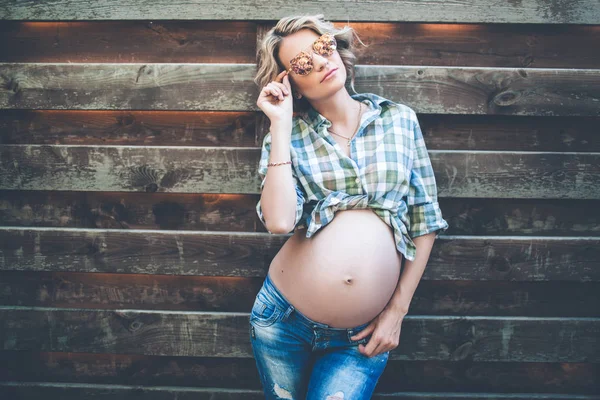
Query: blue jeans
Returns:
{"type": "Point", "coordinates": [298, 358]}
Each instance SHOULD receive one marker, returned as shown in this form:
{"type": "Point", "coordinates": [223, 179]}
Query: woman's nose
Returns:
{"type": "Point", "coordinates": [319, 61]}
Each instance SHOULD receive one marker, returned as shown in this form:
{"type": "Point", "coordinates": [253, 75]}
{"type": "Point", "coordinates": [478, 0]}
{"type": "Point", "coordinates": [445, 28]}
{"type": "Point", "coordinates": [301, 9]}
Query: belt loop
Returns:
{"type": "Point", "coordinates": [289, 310]}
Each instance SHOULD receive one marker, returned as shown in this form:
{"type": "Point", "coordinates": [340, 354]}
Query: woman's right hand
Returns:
{"type": "Point", "coordinates": [275, 99]}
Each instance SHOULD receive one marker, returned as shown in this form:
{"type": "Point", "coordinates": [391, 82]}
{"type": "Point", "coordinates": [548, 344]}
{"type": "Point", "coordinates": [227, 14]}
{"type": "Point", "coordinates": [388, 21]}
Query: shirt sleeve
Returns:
{"type": "Point", "coordinates": [424, 211]}
{"type": "Point", "coordinates": [262, 173]}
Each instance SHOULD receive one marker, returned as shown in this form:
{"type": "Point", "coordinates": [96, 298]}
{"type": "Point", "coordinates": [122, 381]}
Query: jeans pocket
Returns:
{"type": "Point", "coordinates": [264, 313]}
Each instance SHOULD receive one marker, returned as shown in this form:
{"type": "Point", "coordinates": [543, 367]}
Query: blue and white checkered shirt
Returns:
{"type": "Point", "coordinates": [388, 170]}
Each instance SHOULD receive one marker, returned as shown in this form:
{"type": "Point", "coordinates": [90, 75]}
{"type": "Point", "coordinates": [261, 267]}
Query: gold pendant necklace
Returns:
{"type": "Point", "coordinates": [356, 130]}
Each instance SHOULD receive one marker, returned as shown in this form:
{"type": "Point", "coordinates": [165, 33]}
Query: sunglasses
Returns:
{"type": "Point", "coordinates": [302, 64]}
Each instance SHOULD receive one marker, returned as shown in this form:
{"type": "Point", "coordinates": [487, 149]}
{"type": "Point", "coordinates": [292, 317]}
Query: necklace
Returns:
{"type": "Point", "coordinates": [356, 130]}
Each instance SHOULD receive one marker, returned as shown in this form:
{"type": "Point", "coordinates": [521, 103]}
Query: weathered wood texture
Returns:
{"type": "Point", "coordinates": [237, 212]}
{"type": "Point", "coordinates": [226, 335]}
{"type": "Point", "coordinates": [443, 90]}
{"type": "Point", "coordinates": [126, 392]}
{"type": "Point", "coordinates": [574, 175]}
{"type": "Point", "coordinates": [216, 293]}
{"type": "Point", "coordinates": [130, 249]}
{"type": "Point", "coordinates": [242, 129]}
{"type": "Point", "coordinates": [518, 258]}
{"type": "Point", "coordinates": [241, 373]}
{"type": "Point", "coordinates": [188, 128]}
{"type": "Point", "coordinates": [488, 11]}
{"type": "Point", "coordinates": [442, 45]}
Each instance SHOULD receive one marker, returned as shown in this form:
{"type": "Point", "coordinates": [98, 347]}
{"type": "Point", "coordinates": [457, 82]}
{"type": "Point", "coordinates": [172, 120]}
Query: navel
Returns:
{"type": "Point", "coordinates": [349, 280]}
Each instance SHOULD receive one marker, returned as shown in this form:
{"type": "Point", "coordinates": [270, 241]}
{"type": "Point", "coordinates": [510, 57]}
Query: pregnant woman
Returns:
{"type": "Point", "coordinates": [351, 177]}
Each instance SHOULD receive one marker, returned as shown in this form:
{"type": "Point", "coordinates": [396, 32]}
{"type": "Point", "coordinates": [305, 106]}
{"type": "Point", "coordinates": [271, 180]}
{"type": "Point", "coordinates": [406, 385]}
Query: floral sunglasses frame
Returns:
{"type": "Point", "coordinates": [302, 63]}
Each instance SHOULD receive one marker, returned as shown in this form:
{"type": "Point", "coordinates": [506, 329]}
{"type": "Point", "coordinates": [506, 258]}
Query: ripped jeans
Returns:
{"type": "Point", "coordinates": [298, 358]}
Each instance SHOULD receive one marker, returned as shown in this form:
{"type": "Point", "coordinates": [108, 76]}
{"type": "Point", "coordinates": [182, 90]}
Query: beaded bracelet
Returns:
{"type": "Point", "coordinates": [275, 164]}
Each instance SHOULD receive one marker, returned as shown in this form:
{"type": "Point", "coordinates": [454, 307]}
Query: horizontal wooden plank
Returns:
{"type": "Point", "coordinates": [176, 128]}
{"type": "Point", "coordinates": [481, 174]}
{"type": "Point", "coordinates": [224, 87]}
{"type": "Point", "coordinates": [504, 133]}
{"type": "Point", "coordinates": [516, 217]}
{"type": "Point", "coordinates": [240, 129]}
{"type": "Point", "coordinates": [523, 339]}
{"type": "Point", "coordinates": [516, 174]}
{"type": "Point", "coordinates": [215, 293]}
{"type": "Point", "coordinates": [490, 11]}
{"type": "Point", "coordinates": [241, 373]}
{"type": "Point", "coordinates": [68, 391]}
{"type": "Point", "coordinates": [174, 211]}
{"type": "Point", "coordinates": [236, 212]}
{"type": "Point", "coordinates": [446, 45]}
{"type": "Point", "coordinates": [130, 41]}
{"type": "Point", "coordinates": [477, 45]}
{"type": "Point", "coordinates": [250, 254]}
{"type": "Point", "coordinates": [120, 168]}
{"type": "Point", "coordinates": [229, 87]}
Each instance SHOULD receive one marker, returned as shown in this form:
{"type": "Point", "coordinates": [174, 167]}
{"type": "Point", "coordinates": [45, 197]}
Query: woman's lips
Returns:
{"type": "Point", "coordinates": [330, 74]}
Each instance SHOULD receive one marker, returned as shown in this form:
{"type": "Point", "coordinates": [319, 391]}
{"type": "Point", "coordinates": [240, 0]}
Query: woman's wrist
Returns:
{"type": "Point", "coordinates": [281, 125]}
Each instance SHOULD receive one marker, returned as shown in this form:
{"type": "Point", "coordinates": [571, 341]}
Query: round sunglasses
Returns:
{"type": "Point", "coordinates": [302, 64]}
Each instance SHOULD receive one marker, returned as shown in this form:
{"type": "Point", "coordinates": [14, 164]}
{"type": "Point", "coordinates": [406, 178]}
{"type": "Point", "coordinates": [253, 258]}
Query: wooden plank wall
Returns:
{"type": "Point", "coordinates": [130, 249]}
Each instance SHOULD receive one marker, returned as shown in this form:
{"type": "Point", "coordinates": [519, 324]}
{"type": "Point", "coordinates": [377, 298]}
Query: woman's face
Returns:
{"type": "Point", "coordinates": [312, 86]}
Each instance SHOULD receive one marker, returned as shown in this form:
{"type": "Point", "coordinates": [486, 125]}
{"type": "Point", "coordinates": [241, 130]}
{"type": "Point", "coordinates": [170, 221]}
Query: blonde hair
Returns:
{"type": "Point", "coordinates": [269, 65]}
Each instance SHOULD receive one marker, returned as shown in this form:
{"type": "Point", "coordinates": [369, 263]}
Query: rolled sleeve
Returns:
{"type": "Point", "coordinates": [424, 211]}
{"type": "Point", "coordinates": [262, 172]}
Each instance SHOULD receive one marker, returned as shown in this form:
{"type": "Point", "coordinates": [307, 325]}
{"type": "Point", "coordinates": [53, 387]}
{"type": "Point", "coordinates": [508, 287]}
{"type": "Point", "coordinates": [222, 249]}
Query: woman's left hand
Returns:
{"type": "Point", "coordinates": [386, 333]}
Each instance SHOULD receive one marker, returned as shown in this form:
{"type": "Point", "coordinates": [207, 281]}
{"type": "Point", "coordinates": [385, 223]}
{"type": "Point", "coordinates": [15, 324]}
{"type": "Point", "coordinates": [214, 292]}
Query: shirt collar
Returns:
{"type": "Point", "coordinates": [315, 119]}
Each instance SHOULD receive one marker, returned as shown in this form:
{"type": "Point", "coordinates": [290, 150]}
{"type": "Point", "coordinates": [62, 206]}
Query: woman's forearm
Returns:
{"type": "Point", "coordinates": [278, 197]}
{"type": "Point", "coordinates": [411, 274]}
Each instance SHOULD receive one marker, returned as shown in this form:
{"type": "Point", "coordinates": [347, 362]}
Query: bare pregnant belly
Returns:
{"type": "Point", "coordinates": [345, 274]}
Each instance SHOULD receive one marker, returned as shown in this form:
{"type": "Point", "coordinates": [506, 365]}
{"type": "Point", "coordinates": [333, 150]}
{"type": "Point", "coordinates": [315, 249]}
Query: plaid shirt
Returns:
{"type": "Point", "coordinates": [388, 171]}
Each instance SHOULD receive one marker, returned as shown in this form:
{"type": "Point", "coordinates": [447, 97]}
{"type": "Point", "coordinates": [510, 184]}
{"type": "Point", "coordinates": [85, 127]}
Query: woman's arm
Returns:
{"type": "Point", "coordinates": [280, 202]}
{"type": "Point", "coordinates": [426, 220]}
